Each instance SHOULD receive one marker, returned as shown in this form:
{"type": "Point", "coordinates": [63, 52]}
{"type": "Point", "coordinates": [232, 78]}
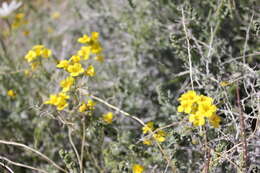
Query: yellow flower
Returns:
{"type": "Point", "coordinates": [83, 107]}
{"type": "Point", "coordinates": [94, 36]}
{"type": "Point", "coordinates": [189, 96]}
{"type": "Point", "coordinates": [55, 15]}
{"type": "Point", "coordinates": [38, 49]}
{"type": "Point", "coordinates": [75, 59]}
{"type": "Point", "coordinates": [11, 93]}
{"type": "Point", "coordinates": [90, 71]}
{"type": "Point", "coordinates": [147, 142]}
{"type": "Point", "coordinates": [46, 53]}
{"type": "Point", "coordinates": [96, 48]}
{"type": "Point", "coordinates": [160, 136]}
{"type": "Point", "coordinates": [186, 106]}
{"type": "Point", "coordinates": [30, 56]}
{"type": "Point", "coordinates": [52, 100]}
{"type": "Point", "coordinates": [206, 109]}
{"type": "Point", "coordinates": [197, 119]}
{"type": "Point", "coordinates": [63, 64]}
{"type": "Point", "coordinates": [75, 69]}
{"type": "Point", "coordinates": [67, 83]}
{"type": "Point", "coordinates": [91, 104]}
{"type": "Point", "coordinates": [84, 52]}
{"type": "Point", "coordinates": [99, 58]}
{"type": "Point", "coordinates": [214, 120]}
{"type": "Point", "coordinates": [84, 39]}
{"type": "Point", "coordinates": [59, 100]}
{"type": "Point", "coordinates": [148, 127]}
{"type": "Point", "coordinates": [203, 98]}
{"type": "Point", "coordinates": [108, 117]}
{"type": "Point", "coordinates": [137, 168]}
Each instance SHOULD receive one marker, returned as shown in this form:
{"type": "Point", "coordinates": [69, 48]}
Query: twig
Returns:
{"type": "Point", "coordinates": [247, 37]}
{"type": "Point", "coordinates": [35, 151]}
{"type": "Point", "coordinates": [22, 165]}
{"type": "Point", "coordinates": [207, 153]}
{"type": "Point", "coordinates": [188, 44]}
{"type": "Point", "coordinates": [242, 127]}
{"type": "Point", "coordinates": [83, 143]}
{"type": "Point", "coordinates": [119, 110]}
{"type": "Point", "coordinates": [74, 148]}
{"type": "Point", "coordinates": [6, 167]}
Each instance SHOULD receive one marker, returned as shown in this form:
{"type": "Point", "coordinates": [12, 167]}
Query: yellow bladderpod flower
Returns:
{"type": "Point", "coordinates": [38, 49]}
{"type": "Point", "coordinates": [206, 109]}
{"type": "Point", "coordinates": [214, 120]}
{"type": "Point", "coordinates": [197, 119]}
{"type": "Point", "coordinates": [159, 136]}
{"type": "Point", "coordinates": [189, 96]}
{"type": "Point", "coordinates": [84, 52]}
{"type": "Point", "coordinates": [96, 48]}
{"type": "Point", "coordinates": [84, 39]}
{"type": "Point", "coordinates": [11, 93]}
{"type": "Point", "coordinates": [63, 64]}
{"type": "Point", "coordinates": [75, 69]}
{"type": "Point", "coordinates": [203, 98]}
{"type": "Point", "coordinates": [75, 59]}
{"type": "Point", "coordinates": [137, 168]}
{"type": "Point", "coordinates": [186, 106]}
{"type": "Point", "coordinates": [89, 106]}
{"type": "Point", "coordinates": [148, 127]}
{"type": "Point", "coordinates": [83, 107]}
{"type": "Point", "coordinates": [147, 142]}
{"type": "Point", "coordinates": [108, 117]}
{"type": "Point", "coordinates": [30, 56]}
{"type": "Point", "coordinates": [94, 36]}
{"type": "Point", "coordinates": [90, 71]}
{"type": "Point", "coordinates": [46, 53]}
{"type": "Point", "coordinates": [67, 83]}
{"type": "Point", "coordinates": [59, 100]}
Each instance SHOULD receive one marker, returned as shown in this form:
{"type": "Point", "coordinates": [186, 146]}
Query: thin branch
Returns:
{"type": "Point", "coordinates": [6, 167]}
{"type": "Point", "coordinates": [83, 143]}
{"type": "Point", "coordinates": [188, 44]}
{"type": "Point", "coordinates": [35, 151]}
{"type": "Point", "coordinates": [242, 127]}
{"type": "Point", "coordinates": [247, 37]}
{"type": "Point", "coordinates": [74, 148]}
{"type": "Point", "coordinates": [22, 165]}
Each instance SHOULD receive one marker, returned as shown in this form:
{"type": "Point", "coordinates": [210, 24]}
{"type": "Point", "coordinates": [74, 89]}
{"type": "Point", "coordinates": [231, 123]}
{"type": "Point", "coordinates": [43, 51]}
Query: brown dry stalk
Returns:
{"type": "Point", "coordinates": [35, 151]}
{"type": "Point", "coordinates": [242, 129]}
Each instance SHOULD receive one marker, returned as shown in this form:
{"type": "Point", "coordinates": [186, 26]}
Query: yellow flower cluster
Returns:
{"type": "Point", "coordinates": [89, 106]}
{"type": "Point", "coordinates": [35, 53]}
{"type": "Point", "coordinates": [74, 67]}
{"type": "Point", "coordinates": [136, 168]}
{"type": "Point", "coordinates": [159, 135]}
{"type": "Point", "coordinates": [91, 46]}
{"type": "Point", "coordinates": [11, 93]}
{"type": "Point", "coordinates": [199, 107]}
{"type": "Point", "coordinates": [59, 100]}
{"type": "Point", "coordinates": [108, 117]}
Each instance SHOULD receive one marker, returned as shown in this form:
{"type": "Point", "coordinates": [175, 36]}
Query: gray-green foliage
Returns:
{"type": "Point", "coordinates": [146, 69]}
